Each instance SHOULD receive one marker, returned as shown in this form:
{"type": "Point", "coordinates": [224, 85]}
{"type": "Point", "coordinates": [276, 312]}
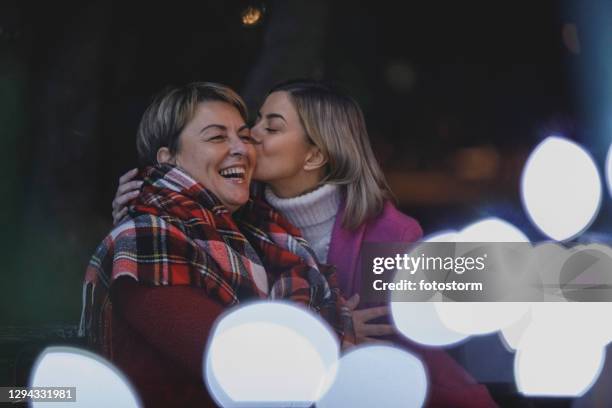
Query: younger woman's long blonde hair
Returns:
{"type": "Point", "coordinates": [334, 122]}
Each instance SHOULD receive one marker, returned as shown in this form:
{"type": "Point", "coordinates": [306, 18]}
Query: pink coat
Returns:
{"type": "Point", "coordinates": [390, 226]}
{"type": "Point", "coordinates": [450, 384]}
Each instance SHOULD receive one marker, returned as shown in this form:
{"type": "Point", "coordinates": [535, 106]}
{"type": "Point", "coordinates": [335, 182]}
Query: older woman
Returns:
{"type": "Point", "coordinates": [158, 281]}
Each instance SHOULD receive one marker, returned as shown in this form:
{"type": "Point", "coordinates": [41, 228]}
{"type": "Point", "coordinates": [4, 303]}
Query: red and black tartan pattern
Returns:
{"type": "Point", "coordinates": [179, 233]}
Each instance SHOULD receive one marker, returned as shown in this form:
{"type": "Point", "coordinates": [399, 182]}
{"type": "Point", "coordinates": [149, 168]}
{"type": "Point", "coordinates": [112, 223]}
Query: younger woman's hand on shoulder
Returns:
{"type": "Point", "coordinates": [128, 190]}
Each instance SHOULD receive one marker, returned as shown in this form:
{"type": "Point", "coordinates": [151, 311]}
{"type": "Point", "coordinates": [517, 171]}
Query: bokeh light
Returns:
{"type": "Point", "coordinates": [584, 321]}
{"type": "Point", "coordinates": [377, 376]}
{"type": "Point", "coordinates": [492, 229]}
{"type": "Point", "coordinates": [419, 321]}
{"type": "Point", "coordinates": [270, 354]}
{"type": "Point", "coordinates": [609, 170]}
{"type": "Point", "coordinates": [551, 363]}
{"type": "Point", "coordinates": [252, 16]}
{"type": "Point", "coordinates": [561, 188]}
{"type": "Point", "coordinates": [98, 383]}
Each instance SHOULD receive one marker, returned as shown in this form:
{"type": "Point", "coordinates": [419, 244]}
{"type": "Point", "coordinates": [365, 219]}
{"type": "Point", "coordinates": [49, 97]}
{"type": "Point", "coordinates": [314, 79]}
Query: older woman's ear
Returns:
{"type": "Point", "coordinates": [164, 156]}
{"type": "Point", "coordinates": [315, 159]}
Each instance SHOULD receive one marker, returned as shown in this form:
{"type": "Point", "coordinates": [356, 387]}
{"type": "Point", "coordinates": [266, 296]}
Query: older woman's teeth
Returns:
{"type": "Point", "coordinates": [233, 172]}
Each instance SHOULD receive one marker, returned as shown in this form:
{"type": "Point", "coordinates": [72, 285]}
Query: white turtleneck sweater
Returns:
{"type": "Point", "coordinates": [314, 213]}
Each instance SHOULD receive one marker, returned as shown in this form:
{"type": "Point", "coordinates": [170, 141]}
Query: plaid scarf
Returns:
{"type": "Point", "coordinates": [179, 233]}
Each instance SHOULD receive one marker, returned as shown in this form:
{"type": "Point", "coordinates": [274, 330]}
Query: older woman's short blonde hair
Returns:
{"type": "Point", "coordinates": [171, 110]}
{"type": "Point", "coordinates": [334, 122]}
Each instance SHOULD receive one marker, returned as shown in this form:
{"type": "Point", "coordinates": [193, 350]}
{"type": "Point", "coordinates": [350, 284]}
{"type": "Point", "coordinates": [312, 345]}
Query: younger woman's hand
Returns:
{"type": "Point", "coordinates": [367, 332]}
{"type": "Point", "coordinates": [128, 190]}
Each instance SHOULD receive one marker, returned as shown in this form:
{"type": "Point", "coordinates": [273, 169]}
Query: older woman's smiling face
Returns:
{"type": "Point", "coordinates": [216, 149]}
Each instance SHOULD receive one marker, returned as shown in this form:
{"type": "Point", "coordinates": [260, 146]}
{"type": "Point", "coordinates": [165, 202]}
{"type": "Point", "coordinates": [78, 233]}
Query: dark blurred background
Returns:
{"type": "Point", "coordinates": [455, 94]}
